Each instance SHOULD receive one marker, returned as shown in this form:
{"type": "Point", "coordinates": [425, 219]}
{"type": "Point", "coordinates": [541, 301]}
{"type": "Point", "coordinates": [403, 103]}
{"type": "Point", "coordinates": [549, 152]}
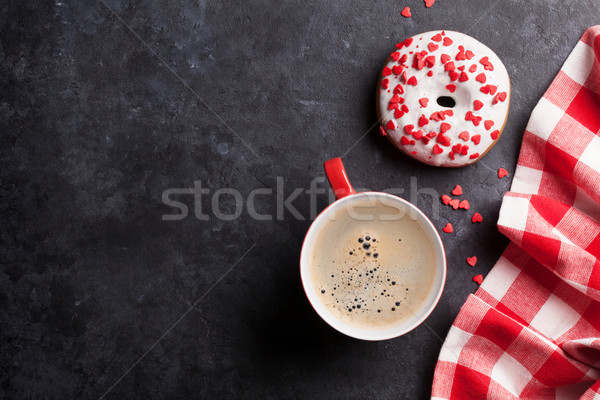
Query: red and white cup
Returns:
{"type": "Point", "coordinates": [347, 197]}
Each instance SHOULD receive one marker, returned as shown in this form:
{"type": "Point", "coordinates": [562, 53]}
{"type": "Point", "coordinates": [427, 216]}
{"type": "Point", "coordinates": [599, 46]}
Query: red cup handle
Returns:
{"type": "Point", "coordinates": [336, 174]}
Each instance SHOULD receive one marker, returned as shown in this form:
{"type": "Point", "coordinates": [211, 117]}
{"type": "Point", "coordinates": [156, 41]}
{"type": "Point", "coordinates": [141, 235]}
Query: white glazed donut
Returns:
{"type": "Point", "coordinates": [420, 81]}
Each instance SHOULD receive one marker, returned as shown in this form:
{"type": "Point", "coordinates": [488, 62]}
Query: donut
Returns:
{"type": "Point", "coordinates": [443, 98]}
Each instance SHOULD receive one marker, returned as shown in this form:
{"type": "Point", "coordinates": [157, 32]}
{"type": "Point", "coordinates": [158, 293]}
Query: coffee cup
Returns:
{"type": "Point", "coordinates": [373, 266]}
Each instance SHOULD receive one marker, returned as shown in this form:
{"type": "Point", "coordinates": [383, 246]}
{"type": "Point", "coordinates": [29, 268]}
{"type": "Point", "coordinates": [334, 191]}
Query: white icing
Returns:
{"type": "Point", "coordinates": [435, 86]}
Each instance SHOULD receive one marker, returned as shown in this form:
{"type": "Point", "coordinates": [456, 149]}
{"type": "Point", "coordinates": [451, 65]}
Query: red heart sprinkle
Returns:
{"type": "Point", "coordinates": [385, 83]}
{"type": "Point", "coordinates": [390, 125]}
{"type": "Point", "coordinates": [432, 46]}
{"type": "Point", "coordinates": [449, 66]}
{"type": "Point", "coordinates": [476, 218]}
{"type": "Point", "coordinates": [436, 116]}
{"type": "Point", "coordinates": [397, 69]}
{"type": "Point", "coordinates": [423, 120]}
{"type": "Point", "coordinates": [399, 89]}
{"type": "Point", "coordinates": [455, 203]}
{"type": "Point", "coordinates": [488, 124]}
{"type": "Point", "coordinates": [418, 134]}
{"type": "Point", "coordinates": [457, 191]}
{"type": "Point", "coordinates": [448, 228]}
{"type": "Point", "coordinates": [464, 136]}
{"type": "Point", "coordinates": [406, 13]}
{"type": "Point", "coordinates": [443, 140]}
{"type": "Point", "coordinates": [398, 113]}
{"type": "Point", "coordinates": [404, 141]}
{"type": "Point", "coordinates": [437, 38]}
{"type": "Point", "coordinates": [395, 56]}
{"type": "Point", "coordinates": [436, 149]}
{"type": "Point", "coordinates": [412, 81]}
{"type": "Point", "coordinates": [502, 173]}
{"type": "Point", "coordinates": [424, 101]}
{"type": "Point", "coordinates": [445, 127]}
{"type": "Point", "coordinates": [408, 41]}
{"type": "Point", "coordinates": [472, 261]}
{"type": "Point", "coordinates": [481, 78]}
{"type": "Point", "coordinates": [445, 58]}
{"type": "Point", "coordinates": [473, 68]}
{"type": "Point", "coordinates": [464, 205]}
{"type": "Point", "coordinates": [463, 77]}
{"type": "Point", "coordinates": [474, 156]}
{"type": "Point", "coordinates": [478, 279]}
{"type": "Point", "coordinates": [487, 65]}
{"type": "Point", "coordinates": [451, 88]}
{"type": "Point", "coordinates": [477, 105]}
{"type": "Point", "coordinates": [447, 41]}
{"type": "Point", "coordinates": [446, 199]}
{"type": "Point", "coordinates": [408, 129]}
{"type": "Point", "coordinates": [429, 3]}
{"type": "Point", "coordinates": [476, 139]}
{"type": "Point", "coordinates": [495, 134]}
{"type": "Point", "coordinates": [499, 97]}
{"type": "Point", "coordinates": [386, 71]}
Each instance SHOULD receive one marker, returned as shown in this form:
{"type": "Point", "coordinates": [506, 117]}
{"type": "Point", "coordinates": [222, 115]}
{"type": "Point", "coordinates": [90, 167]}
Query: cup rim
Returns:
{"type": "Point", "coordinates": [376, 335]}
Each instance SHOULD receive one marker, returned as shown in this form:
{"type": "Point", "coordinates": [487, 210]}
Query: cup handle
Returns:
{"type": "Point", "coordinates": [338, 179]}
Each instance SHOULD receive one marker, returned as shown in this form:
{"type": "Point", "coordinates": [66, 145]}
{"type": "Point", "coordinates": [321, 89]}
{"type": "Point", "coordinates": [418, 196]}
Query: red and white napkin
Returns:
{"type": "Point", "coordinates": [532, 330]}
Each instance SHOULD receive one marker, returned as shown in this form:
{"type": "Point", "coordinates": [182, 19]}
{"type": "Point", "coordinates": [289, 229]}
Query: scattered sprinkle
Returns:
{"type": "Point", "coordinates": [476, 218]}
{"type": "Point", "coordinates": [472, 261]}
{"type": "Point", "coordinates": [448, 228]}
{"type": "Point", "coordinates": [406, 12]}
{"type": "Point", "coordinates": [502, 173]}
{"type": "Point", "coordinates": [478, 279]}
{"type": "Point", "coordinates": [455, 203]}
{"type": "Point", "coordinates": [457, 191]}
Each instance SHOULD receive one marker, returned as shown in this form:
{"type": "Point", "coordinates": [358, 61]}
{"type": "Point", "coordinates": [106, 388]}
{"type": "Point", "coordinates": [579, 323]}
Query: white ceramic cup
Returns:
{"type": "Point", "coordinates": [346, 197]}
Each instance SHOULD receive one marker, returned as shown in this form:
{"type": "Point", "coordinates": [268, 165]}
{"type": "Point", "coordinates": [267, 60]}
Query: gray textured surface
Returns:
{"type": "Point", "coordinates": [94, 128]}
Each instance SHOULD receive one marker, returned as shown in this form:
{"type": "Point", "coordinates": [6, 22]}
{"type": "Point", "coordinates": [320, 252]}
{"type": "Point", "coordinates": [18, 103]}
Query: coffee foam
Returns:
{"type": "Point", "coordinates": [369, 271]}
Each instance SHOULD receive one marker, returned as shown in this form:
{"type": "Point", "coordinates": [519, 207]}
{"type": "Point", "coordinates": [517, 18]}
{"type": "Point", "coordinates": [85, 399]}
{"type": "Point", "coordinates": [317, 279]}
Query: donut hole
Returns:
{"type": "Point", "coordinates": [446, 101]}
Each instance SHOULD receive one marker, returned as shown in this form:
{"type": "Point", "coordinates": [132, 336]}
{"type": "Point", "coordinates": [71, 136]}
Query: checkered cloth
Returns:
{"type": "Point", "coordinates": [532, 330]}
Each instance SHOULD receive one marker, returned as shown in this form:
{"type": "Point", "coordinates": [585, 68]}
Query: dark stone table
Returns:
{"type": "Point", "coordinates": [107, 107]}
